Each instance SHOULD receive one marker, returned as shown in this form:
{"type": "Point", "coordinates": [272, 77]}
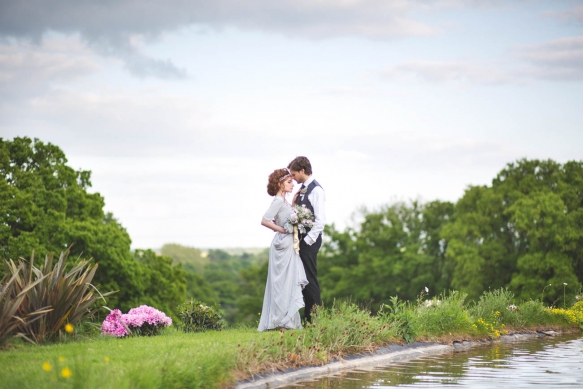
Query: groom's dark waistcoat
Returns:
{"type": "Point", "coordinates": [306, 200]}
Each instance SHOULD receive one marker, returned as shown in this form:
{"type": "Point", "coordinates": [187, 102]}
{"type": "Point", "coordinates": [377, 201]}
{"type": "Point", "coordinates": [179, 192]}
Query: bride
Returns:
{"type": "Point", "coordinates": [285, 276]}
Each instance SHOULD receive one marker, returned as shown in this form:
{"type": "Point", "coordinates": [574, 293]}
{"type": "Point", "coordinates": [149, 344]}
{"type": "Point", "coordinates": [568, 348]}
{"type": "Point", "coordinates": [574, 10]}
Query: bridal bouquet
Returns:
{"type": "Point", "coordinates": [301, 219]}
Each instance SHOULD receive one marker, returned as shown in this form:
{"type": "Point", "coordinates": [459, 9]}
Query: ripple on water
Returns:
{"type": "Point", "coordinates": [548, 362]}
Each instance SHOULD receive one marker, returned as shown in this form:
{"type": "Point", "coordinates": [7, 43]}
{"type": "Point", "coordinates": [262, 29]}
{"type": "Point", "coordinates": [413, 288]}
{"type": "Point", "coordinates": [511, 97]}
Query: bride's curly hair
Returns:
{"type": "Point", "coordinates": [275, 179]}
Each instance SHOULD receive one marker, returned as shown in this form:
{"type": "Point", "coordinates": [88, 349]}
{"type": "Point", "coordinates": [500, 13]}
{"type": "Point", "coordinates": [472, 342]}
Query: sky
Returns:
{"type": "Point", "coordinates": [181, 109]}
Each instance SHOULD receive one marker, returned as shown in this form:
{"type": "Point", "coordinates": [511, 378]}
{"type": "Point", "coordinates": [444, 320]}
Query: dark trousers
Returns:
{"type": "Point", "coordinates": [311, 292]}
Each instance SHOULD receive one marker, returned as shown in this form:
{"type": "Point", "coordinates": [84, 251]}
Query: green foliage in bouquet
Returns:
{"type": "Point", "coordinates": [196, 316]}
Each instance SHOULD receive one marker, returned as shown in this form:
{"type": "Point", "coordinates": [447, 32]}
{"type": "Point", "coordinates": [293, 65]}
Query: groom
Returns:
{"type": "Point", "coordinates": [312, 196]}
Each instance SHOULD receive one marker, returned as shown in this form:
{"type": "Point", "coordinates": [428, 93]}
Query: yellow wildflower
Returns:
{"type": "Point", "coordinates": [69, 328]}
{"type": "Point", "coordinates": [66, 372]}
{"type": "Point", "coordinates": [47, 366]}
{"type": "Point", "coordinates": [106, 359]}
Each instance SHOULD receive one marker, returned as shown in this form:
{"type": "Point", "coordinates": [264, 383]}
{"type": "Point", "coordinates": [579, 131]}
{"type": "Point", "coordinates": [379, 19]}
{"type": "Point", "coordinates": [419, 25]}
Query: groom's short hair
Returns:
{"type": "Point", "coordinates": [300, 163]}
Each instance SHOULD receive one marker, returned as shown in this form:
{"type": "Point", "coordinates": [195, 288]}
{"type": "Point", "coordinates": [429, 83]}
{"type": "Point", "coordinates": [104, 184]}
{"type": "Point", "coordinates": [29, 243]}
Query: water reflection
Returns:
{"type": "Point", "coordinates": [548, 362]}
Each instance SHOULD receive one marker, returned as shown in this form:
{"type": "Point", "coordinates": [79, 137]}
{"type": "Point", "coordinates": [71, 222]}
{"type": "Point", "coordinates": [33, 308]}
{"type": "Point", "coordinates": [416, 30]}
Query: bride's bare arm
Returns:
{"type": "Point", "coordinates": [271, 225]}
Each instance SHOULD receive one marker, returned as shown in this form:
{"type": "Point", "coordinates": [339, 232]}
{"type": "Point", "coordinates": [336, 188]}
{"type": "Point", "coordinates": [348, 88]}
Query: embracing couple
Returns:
{"type": "Point", "coordinates": [292, 276]}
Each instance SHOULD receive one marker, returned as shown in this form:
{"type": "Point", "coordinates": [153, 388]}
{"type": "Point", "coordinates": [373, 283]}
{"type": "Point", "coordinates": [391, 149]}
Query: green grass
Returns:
{"type": "Point", "coordinates": [443, 315]}
{"type": "Point", "coordinates": [171, 360]}
{"type": "Point", "coordinates": [217, 359]}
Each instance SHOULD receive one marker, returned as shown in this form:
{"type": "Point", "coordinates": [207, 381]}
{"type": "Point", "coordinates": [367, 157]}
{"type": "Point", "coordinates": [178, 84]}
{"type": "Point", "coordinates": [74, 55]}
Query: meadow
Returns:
{"type": "Point", "coordinates": [217, 359]}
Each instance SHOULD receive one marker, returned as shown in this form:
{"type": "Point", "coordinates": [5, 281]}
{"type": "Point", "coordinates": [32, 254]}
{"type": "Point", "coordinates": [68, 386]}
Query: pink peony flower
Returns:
{"type": "Point", "coordinates": [144, 320]}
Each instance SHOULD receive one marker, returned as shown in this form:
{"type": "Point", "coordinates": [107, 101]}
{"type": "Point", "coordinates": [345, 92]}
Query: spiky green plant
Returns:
{"type": "Point", "coordinates": [11, 298]}
{"type": "Point", "coordinates": [69, 294]}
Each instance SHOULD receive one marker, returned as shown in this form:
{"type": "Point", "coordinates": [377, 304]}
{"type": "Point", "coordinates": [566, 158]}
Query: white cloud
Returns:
{"type": "Point", "coordinates": [111, 28]}
{"type": "Point", "coordinates": [442, 71]}
{"type": "Point", "coordinates": [558, 60]}
{"type": "Point", "coordinates": [574, 14]}
{"type": "Point", "coordinates": [375, 18]}
{"type": "Point", "coordinates": [30, 70]}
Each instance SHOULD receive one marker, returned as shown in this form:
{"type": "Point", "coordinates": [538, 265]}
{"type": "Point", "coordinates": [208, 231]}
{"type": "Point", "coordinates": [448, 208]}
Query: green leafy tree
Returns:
{"type": "Point", "coordinates": [523, 232]}
{"type": "Point", "coordinates": [198, 288]}
{"type": "Point", "coordinates": [166, 283]}
{"type": "Point", "coordinates": [233, 279]}
{"type": "Point", "coordinates": [45, 206]}
{"type": "Point", "coordinates": [251, 292]}
{"type": "Point", "coordinates": [222, 273]}
{"type": "Point", "coordinates": [396, 251]}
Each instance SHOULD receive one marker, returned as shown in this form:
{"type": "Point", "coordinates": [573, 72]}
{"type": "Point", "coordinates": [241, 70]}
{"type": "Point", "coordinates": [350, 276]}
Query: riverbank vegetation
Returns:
{"type": "Point", "coordinates": [215, 359]}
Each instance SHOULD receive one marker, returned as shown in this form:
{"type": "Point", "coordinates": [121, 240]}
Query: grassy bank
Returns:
{"type": "Point", "coordinates": [218, 359]}
{"type": "Point", "coordinates": [171, 360]}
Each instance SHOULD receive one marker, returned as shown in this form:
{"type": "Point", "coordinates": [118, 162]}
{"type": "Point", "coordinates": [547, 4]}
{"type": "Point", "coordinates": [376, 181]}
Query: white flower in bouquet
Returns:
{"type": "Point", "coordinates": [301, 217]}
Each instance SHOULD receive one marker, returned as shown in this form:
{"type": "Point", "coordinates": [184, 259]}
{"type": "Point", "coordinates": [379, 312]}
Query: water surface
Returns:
{"type": "Point", "coordinates": [550, 362]}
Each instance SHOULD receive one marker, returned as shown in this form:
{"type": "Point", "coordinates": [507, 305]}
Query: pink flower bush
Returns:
{"type": "Point", "coordinates": [143, 320]}
{"type": "Point", "coordinates": [114, 325]}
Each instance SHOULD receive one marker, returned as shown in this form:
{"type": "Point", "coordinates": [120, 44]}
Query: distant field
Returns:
{"type": "Point", "coordinates": [231, 250]}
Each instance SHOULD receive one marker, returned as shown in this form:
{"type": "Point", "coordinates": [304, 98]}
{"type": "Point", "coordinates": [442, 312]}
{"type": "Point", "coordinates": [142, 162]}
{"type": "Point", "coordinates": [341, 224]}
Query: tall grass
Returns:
{"type": "Point", "coordinates": [341, 329]}
{"type": "Point", "coordinates": [444, 314]}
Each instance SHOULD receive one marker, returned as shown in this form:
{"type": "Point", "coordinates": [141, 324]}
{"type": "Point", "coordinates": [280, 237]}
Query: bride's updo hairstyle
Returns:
{"type": "Point", "coordinates": [275, 179]}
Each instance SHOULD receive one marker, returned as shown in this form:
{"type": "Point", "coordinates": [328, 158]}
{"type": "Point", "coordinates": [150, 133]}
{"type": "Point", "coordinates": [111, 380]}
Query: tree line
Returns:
{"type": "Point", "coordinates": [523, 232]}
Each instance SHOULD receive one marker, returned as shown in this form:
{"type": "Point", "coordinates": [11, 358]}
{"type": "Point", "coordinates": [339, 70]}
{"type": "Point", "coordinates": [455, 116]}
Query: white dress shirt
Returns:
{"type": "Point", "coordinates": [317, 199]}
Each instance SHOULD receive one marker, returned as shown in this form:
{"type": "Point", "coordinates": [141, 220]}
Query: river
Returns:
{"type": "Point", "coordinates": [548, 362]}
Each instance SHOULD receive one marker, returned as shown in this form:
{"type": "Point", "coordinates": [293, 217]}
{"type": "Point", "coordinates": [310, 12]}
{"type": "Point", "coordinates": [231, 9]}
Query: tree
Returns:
{"type": "Point", "coordinates": [167, 282]}
{"type": "Point", "coordinates": [396, 251]}
{"type": "Point", "coordinates": [524, 232]}
{"type": "Point", "coordinates": [45, 206]}
{"type": "Point", "coordinates": [251, 292]}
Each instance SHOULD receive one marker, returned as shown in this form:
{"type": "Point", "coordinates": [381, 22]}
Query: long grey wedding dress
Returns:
{"type": "Point", "coordinates": [285, 276]}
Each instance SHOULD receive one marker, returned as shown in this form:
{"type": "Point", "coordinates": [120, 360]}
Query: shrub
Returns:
{"type": "Point", "coordinates": [60, 298]}
{"type": "Point", "coordinates": [11, 297]}
{"type": "Point", "coordinates": [498, 307]}
{"type": "Point", "coordinates": [530, 314]}
{"type": "Point", "coordinates": [571, 317]}
{"type": "Point", "coordinates": [490, 326]}
{"type": "Point", "coordinates": [400, 315]}
{"type": "Point", "coordinates": [346, 328]}
{"type": "Point", "coordinates": [197, 316]}
{"type": "Point", "coordinates": [577, 308]}
{"type": "Point", "coordinates": [444, 316]}
{"type": "Point", "coordinates": [141, 321]}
